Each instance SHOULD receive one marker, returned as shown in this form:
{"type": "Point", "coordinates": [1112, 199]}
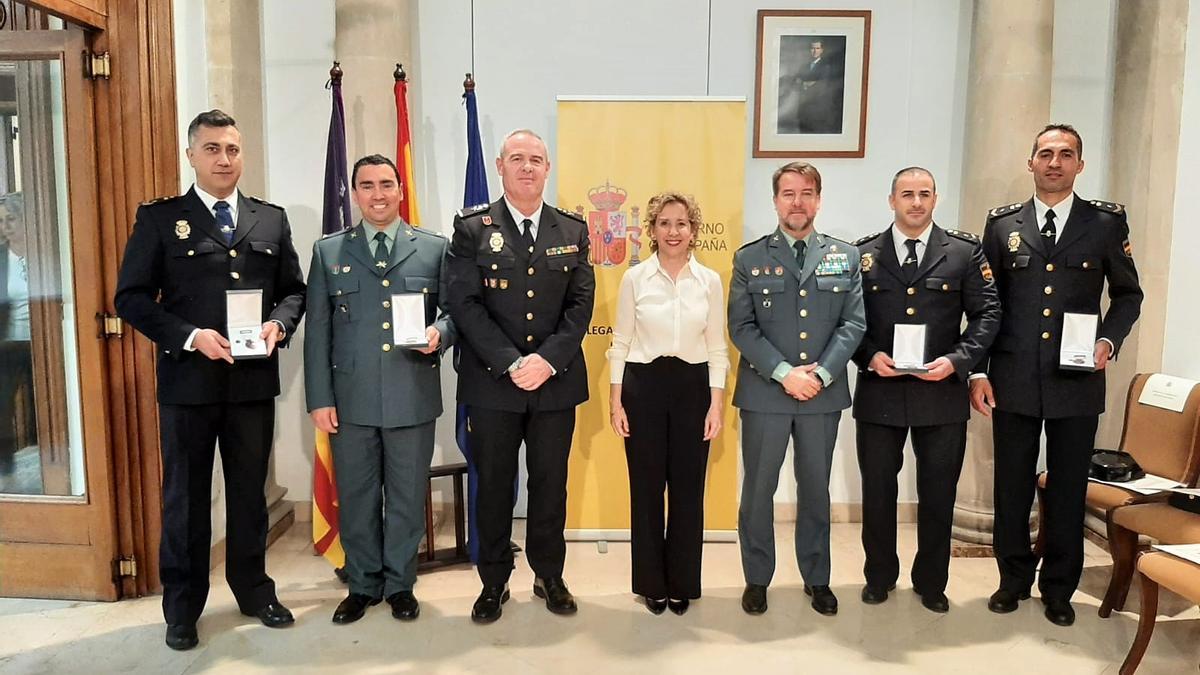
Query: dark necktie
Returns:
{"type": "Point", "coordinates": [382, 255]}
{"type": "Point", "coordinates": [527, 233]}
{"type": "Point", "coordinates": [1048, 230]}
{"type": "Point", "coordinates": [224, 220]}
{"type": "Point", "coordinates": [800, 246]}
{"type": "Point", "coordinates": [910, 260]}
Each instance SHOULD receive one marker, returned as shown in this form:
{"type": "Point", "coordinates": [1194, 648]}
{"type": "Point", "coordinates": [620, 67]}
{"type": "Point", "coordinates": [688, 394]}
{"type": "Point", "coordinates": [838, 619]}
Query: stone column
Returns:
{"type": "Point", "coordinates": [1008, 101]}
{"type": "Point", "coordinates": [1147, 109]}
{"type": "Point", "coordinates": [372, 37]}
{"type": "Point", "coordinates": [235, 84]}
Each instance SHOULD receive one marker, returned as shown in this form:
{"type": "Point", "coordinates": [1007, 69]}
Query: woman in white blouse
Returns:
{"type": "Point", "coordinates": [668, 362]}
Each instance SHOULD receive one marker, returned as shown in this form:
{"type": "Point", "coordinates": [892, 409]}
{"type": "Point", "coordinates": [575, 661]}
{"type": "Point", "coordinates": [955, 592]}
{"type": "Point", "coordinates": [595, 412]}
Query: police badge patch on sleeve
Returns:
{"type": "Point", "coordinates": [1127, 248]}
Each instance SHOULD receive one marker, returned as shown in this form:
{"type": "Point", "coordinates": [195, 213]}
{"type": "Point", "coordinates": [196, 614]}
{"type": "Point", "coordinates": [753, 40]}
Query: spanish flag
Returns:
{"type": "Point", "coordinates": [404, 160]}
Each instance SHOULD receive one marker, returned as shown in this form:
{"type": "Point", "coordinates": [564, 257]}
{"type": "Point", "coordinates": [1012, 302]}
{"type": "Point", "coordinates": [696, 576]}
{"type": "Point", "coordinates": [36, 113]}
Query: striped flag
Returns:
{"type": "Point", "coordinates": [335, 216]}
{"type": "Point", "coordinates": [404, 161]}
{"type": "Point", "coordinates": [475, 193]}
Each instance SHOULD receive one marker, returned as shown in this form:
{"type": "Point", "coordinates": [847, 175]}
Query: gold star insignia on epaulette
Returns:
{"type": "Point", "coordinates": [1001, 210]}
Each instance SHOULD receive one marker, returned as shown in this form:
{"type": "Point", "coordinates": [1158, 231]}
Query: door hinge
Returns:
{"type": "Point", "coordinates": [125, 567]}
{"type": "Point", "coordinates": [112, 325]}
{"type": "Point", "coordinates": [97, 66]}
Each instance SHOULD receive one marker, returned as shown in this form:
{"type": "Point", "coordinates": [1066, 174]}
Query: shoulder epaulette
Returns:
{"type": "Point", "coordinates": [755, 241]}
{"type": "Point", "coordinates": [428, 233]}
{"type": "Point", "coordinates": [1004, 210]}
{"type": "Point", "coordinates": [473, 210]}
{"type": "Point", "coordinates": [1111, 207]}
{"type": "Point", "coordinates": [965, 236]}
{"type": "Point", "coordinates": [869, 237]}
{"type": "Point", "coordinates": [160, 200]}
{"type": "Point", "coordinates": [338, 233]}
{"type": "Point", "coordinates": [260, 200]}
{"type": "Point", "coordinates": [835, 240]}
{"type": "Point", "coordinates": [570, 214]}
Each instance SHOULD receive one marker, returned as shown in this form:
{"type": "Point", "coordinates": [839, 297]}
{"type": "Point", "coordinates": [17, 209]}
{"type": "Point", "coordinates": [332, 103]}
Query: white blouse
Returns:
{"type": "Point", "coordinates": [658, 316]}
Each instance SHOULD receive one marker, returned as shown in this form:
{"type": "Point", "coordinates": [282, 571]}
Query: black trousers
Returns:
{"type": "Point", "coordinates": [495, 437]}
{"type": "Point", "coordinates": [666, 401]}
{"type": "Point", "coordinates": [16, 375]}
{"type": "Point", "coordinates": [1069, 445]}
{"type": "Point", "coordinates": [189, 435]}
{"type": "Point", "coordinates": [939, 450]}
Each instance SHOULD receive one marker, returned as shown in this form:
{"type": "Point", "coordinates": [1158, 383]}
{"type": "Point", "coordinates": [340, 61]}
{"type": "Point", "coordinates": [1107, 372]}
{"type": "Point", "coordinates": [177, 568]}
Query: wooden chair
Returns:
{"type": "Point", "coordinates": [1159, 569]}
{"type": "Point", "coordinates": [434, 558]}
{"type": "Point", "coordinates": [1158, 521]}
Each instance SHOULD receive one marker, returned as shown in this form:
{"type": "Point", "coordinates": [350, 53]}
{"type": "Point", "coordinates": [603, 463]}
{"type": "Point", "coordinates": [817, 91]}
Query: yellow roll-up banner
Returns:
{"type": "Point", "coordinates": [613, 155]}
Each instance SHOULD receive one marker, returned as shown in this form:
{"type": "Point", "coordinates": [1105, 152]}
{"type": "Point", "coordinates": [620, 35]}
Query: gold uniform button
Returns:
{"type": "Point", "coordinates": [803, 293]}
{"type": "Point", "coordinates": [1046, 335]}
{"type": "Point", "coordinates": [912, 291]}
{"type": "Point", "coordinates": [529, 293]}
{"type": "Point", "coordinates": [191, 252]}
{"type": "Point", "coordinates": [386, 303]}
{"type": "Point", "coordinates": [835, 289]}
{"type": "Point", "coordinates": [1046, 312]}
{"type": "Point", "coordinates": [910, 311]}
{"type": "Point", "coordinates": [566, 269]}
{"type": "Point", "coordinates": [235, 275]}
{"type": "Point", "coordinates": [339, 292]}
{"type": "Point", "coordinates": [529, 316]}
{"type": "Point", "coordinates": [874, 288]}
{"type": "Point", "coordinates": [529, 338]}
{"type": "Point", "coordinates": [386, 347]}
{"type": "Point", "coordinates": [386, 283]}
{"type": "Point", "coordinates": [387, 325]}
{"type": "Point", "coordinates": [803, 356]}
{"type": "Point", "coordinates": [495, 266]}
{"type": "Point", "coordinates": [1085, 265]}
{"type": "Point", "coordinates": [1049, 267]}
{"type": "Point", "coordinates": [766, 291]}
{"type": "Point", "coordinates": [530, 271]}
{"type": "Point", "coordinates": [803, 335]}
{"type": "Point", "coordinates": [1048, 290]}
{"type": "Point", "coordinates": [804, 312]}
{"type": "Point", "coordinates": [424, 290]}
{"type": "Point", "coordinates": [232, 253]}
{"type": "Point", "coordinates": [945, 287]}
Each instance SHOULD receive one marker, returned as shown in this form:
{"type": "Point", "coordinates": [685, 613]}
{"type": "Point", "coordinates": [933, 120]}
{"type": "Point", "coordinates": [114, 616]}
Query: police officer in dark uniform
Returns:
{"type": "Point", "coordinates": [184, 254]}
{"type": "Point", "coordinates": [521, 293]}
{"type": "Point", "coordinates": [1051, 255]}
{"type": "Point", "coordinates": [917, 273]}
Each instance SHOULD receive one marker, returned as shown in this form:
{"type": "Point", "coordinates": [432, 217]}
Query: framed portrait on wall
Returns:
{"type": "Point", "coordinates": [810, 93]}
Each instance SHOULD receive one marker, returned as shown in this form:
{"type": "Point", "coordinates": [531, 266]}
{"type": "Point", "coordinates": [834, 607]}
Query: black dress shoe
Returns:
{"type": "Point", "coordinates": [1059, 612]}
{"type": "Point", "coordinates": [488, 605]}
{"type": "Point", "coordinates": [935, 602]}
{"type": "Point", "coordinates": [554, 591]}
{"type": "Point", "coordinates": [273, 615]}
{"type": "Point", "coordinates": [655, 606]}
{"type": "Point", "coordinates": [874, 595]}
{"type": "Point", "coordinates": [823, 599]}
{"type": "Point", "coordinates": [182, 636]}
{"type": "Point", "coordinates": [754, 599]}
{"type": "Point", "coordinates": [1004, 601]}
{"type": "Point", "coordinates": [353, 607]}
{"type": "Point", "coordinates": [679, 607]}
{"type": "Point", "coordinates": [404, 605]}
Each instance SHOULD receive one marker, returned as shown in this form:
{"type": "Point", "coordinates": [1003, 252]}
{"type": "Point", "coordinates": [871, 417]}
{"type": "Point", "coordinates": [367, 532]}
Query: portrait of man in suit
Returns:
{"type": "Point", "coordinates": [812, 70]}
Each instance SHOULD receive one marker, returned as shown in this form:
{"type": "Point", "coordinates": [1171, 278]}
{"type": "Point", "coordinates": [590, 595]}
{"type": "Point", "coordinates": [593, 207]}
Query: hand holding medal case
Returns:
{"type": "Point", "coordinates": [243, 321]}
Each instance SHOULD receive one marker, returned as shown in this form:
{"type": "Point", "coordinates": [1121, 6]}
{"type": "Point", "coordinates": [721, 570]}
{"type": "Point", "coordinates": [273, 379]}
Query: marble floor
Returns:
{"type": "Point", "coordinates": [612, 633]}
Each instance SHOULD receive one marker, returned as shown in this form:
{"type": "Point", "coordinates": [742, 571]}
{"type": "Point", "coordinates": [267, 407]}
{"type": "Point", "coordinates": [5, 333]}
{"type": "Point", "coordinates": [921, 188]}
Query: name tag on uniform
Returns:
{"type": "Point", "coordinates": [408, 320]}
{"type": "Point", "coordinates": [1078, 349]}
{"type": "Point", "coordinates": [833, 264]}
{"type": "Point", "coordinates": [243, 322]}
{"type": "Point", "coordinates": [908, 348]}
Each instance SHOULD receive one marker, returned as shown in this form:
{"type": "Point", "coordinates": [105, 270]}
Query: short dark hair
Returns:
{"type": "Point", "coordinates": [913, 169]}
{"type": "Point", "coordinates": [801, 168]}
{"type": "Point", "coordinates": [1064, 128]}
{"type": "Point", "coordinates": [373, 160]}
{"type": "Point", "coordinates": [209, 118]}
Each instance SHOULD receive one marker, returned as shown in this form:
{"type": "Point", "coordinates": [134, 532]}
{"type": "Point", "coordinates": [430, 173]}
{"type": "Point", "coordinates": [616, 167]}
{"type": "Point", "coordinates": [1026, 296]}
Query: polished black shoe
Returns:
{"type": "Point", "coordinates": [874, 595]}
{"type": "Point", "coordinates": [488, 605]}
{"type": "Point", "coordinates": [353, 607]}
{"type": "Point", "coordinates": [823, 599]}
{"type": "Point", "coordinates": [1059, 612]}
{"type": "Point", "coordinates": [679, 607]}
{"type": "Point", "coordinates": [754, 599]}
{"type": "Point", "coordinates": [655, 606]}
{"type": "Point", "coordinates": [273, 615]}
{"type": "Point", "coordinates": [935, 602]}
{"type": "Point", "coordinates": [554, 591]}
{"type": "Point", "coordinates": [404, 606]}
{"type": "Point", "coordinates": [182, 636]}
{"type": "Point", "coordinates": [1004, 601]}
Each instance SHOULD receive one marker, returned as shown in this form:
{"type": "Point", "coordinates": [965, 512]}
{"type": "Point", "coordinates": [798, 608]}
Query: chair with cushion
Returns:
{"type": "Point", "coordinates": [1159, 569]}
{"type": "Point", "coordinates": [1158, 521]}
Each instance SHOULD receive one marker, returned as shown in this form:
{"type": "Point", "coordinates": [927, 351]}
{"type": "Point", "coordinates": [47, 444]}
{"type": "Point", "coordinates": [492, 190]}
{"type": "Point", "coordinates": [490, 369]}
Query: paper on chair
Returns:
{"type": "Point", "coordinates": [1189, 552]}
{"type": "Point", "coordinates": [1146, 485]}
{"type": "Point", "coordinates": [1167, 392]}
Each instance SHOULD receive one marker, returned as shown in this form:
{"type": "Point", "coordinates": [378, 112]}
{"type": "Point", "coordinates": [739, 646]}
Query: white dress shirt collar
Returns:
{"type": "Point", "coordinates": [898, 239]}
{"type": "Point", "coordinates": [210, 202]}
{"type": "Point", "coordinates": [517, 216]}
{"type": "Point", "coordinates": [1062, 211]}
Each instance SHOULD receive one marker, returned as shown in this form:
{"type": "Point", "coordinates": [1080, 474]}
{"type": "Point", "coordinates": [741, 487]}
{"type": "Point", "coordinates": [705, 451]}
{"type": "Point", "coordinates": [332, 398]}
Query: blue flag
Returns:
{"type": "Point", "coordinates": [476, 193]}
{"type": "Point", "coordinates": [335, 215]}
